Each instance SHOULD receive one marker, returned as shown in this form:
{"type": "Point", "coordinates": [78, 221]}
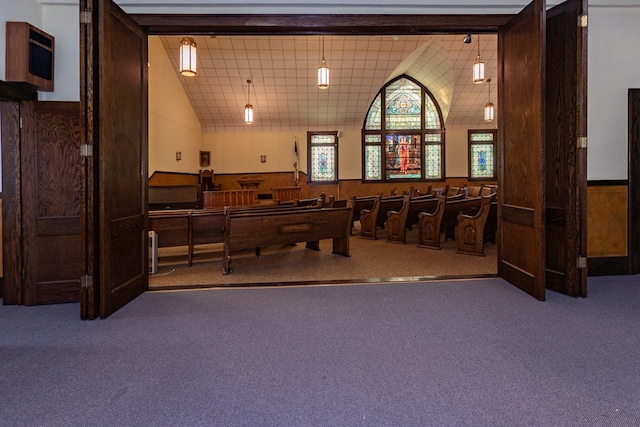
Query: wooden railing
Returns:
{"type": "Point", "coordinates": [218, 199]}
{"type": "Point", "coordinates": [284, 194]}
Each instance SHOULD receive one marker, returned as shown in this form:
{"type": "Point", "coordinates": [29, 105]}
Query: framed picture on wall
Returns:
{"type": "Point", "coordinates": [205, 158]}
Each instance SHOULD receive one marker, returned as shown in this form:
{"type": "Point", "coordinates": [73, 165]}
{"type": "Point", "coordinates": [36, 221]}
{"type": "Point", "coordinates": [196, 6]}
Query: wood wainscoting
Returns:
{"type": "Point", "coordinates": [607, 228]}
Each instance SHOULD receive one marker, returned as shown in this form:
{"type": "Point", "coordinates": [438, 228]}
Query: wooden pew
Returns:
{"type": "Point", "coordinates": [318, 201]}
{"type": "Point", "coordinates": [187, 228]}
{"type": "Point", "coordinates": [360, 203]}
{"type": "Point", "coordinates": [470, 235]}
{"type": "Point", "coordinates": [398, 222]}
{"type": "Point", "coordinates": [374, 218]}
{"type": "Point", "coordinates": [431, 225]}
{"type": "Point", "coordinates": [207, 226]}
{"type": "Point", "coordinates": [256, 229]}
{"type": "Point", "coordinates": [172, 227]}
{"type": "Point", "coordinates": [174, 197]}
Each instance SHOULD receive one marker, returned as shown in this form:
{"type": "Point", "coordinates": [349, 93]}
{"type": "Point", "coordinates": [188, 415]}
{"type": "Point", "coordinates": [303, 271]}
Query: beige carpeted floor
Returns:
{"type": "Point", "coordinates": [370, 260]}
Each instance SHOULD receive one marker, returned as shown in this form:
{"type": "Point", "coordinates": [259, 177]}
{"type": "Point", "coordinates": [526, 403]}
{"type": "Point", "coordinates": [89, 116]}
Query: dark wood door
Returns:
{"type": "Point", "coordinates": [521, 245]}
{"type": "Point", "coordinates": [114, 98]}
{"type": "Point", "coordinates": [11, 200]}
{"type": "Point", "coordinates": [565, 148]}
{"type": "Point", "coordinates": [51, 190]}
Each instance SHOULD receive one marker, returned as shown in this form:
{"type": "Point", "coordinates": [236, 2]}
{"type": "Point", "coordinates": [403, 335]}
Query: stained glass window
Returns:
{"type": "Point", "coordinates": [403, 135]}
{"type": "Point", "coordinates": [403, 105]}
{"type": "Point", "coordinates": [482, 154]}
{"type": "Point", "coordinates": [374, 118]}
{"type": "Point", "coordinates": [431, 116]}
{"type": "Point", "coordinates": [323, 156]}
{"type": "Point", "coordinates": [433, 161]}
{"type": "Point", "coordinates": [403, 156]}
{"type": "Point", "coordinates": [373, 162]}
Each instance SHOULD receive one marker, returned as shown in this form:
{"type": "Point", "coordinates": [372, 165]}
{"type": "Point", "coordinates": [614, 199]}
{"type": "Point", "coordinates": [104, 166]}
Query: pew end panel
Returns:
{"type": "Point", "coordinates": [396, 222]}
{"type": "Point", "coordinates": [470, 230]}
{"type": "Point", "coordinates": [429, 226]}
{"type": "Point", "coordinates": [368, 220]}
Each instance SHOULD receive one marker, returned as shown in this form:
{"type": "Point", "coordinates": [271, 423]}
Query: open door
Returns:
{"type": "Point", "coordinates": [565, 148]}
{"type": "Point", "coordinates": [114, 106]}
{"type": "Point", "coordinates": [521, 246]}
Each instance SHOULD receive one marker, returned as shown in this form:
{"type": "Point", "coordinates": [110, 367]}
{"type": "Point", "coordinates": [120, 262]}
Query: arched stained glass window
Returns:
{"type": "Point", "coordinates": [375, 115]}
{"type": "Point", "coordinates": [403, 136]}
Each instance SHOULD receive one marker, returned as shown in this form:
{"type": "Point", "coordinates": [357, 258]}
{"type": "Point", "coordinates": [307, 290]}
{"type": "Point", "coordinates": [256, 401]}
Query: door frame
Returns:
{"type": "Point", "coordinates": [633, 175]}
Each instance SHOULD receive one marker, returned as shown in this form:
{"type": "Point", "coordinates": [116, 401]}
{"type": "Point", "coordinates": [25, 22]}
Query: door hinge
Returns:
{"type": "Point", "coordinates": [86, 150]}
{"type": "Point", "coordinates": [20, 122]}
{"type": "Point", "coordinates": [582, 262]}
{"type": "Point", "coordinates": [582, 142]}
{"type": "Point", "coordinates": [85, 16]}
{"type": "Point", "coordinates": [583, 20]}
{"type": "Point", "coordinates": [86, 281]}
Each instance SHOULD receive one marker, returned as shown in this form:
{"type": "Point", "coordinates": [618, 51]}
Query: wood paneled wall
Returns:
{"type": "Point", "coordinates": [343, 190]}
{"type": "Point", "coordinates": [607, 221]}
{"type": "Point", "coordinates": [608, 246]}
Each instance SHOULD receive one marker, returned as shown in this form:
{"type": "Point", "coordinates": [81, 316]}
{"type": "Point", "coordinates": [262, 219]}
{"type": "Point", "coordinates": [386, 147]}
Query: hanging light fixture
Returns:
{"type": "Point", "coordinates": [488, 108]}
{"type": "Point", "coordinates": [478, 67]}
{"type": "Point", "coordinates": [248, 109]}
{"type": "Point", "coordinates": [188, 56]}
{"type": "Point", "coordinates": [323, 72]}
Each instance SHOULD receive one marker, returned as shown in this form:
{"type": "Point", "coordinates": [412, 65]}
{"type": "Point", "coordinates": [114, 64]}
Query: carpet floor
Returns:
{"type": "Point", "coordinates": [370, 260]}
{"type": "Point", "coordinates": [442, 353]}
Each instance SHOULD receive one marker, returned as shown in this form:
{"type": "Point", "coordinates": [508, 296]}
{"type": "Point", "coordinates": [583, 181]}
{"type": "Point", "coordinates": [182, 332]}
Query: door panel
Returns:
{"type": "Point", "coordinates": [521, 164]}
{"type": "Point", "coordinates": [565, 163]}
{"type": "Point", "coordinates": [51, 190]}
{"type": "Point", "coordinates": [115, 50]}
{"type": "Point", "coordinates": [11, 204]}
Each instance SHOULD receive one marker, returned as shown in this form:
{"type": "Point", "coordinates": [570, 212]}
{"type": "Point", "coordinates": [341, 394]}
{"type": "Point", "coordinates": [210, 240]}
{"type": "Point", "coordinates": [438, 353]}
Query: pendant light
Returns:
{"type": "Point", "coordinates": [248, 109]}
{"type": "Point", "coordinates": [478, 67]}
{"type": "Point", "coordinates": [323, 72]}
{"type": "Point", "coordinates": [188, 57]}
{"type": "Point", "coordinates": [488, 109]}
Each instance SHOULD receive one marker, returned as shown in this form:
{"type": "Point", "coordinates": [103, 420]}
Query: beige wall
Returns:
{"type": "Point", "coordinates": [173, 125]}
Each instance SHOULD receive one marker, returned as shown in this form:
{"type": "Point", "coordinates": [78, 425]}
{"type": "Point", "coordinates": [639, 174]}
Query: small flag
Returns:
{"type": "Point", "coordinates": [295, 164]}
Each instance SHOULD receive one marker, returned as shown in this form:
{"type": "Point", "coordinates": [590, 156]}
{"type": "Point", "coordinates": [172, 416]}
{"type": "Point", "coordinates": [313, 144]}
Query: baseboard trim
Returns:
{"type": "Point", "coordinates": [608, 266]}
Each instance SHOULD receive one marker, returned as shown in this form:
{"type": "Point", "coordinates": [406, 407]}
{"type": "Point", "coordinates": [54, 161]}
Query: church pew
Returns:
{"type": "Point", "coordinates": [470, 230]}
{"type": "Point", "coordinates": [207, 226]}
{"type": "Point", "coordinates": [257, 229]}
{"type": "Point", "coordinates": [172, 227]}
{"type": "Point", "coordinates": [398, 222]}
{"type": "Point", "coordinates": [432, 225]}
{"type": "Point", "coordinates": [374, 218]}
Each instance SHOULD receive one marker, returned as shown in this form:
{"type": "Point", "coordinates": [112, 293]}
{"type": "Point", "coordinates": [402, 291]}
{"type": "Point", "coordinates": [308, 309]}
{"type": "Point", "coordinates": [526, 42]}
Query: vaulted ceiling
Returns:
{"type": "Point", "coordinates": [283, 71]}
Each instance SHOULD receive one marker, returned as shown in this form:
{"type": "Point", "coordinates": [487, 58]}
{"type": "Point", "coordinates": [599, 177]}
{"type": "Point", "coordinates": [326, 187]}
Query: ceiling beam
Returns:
{"type": "Point", "coordinates": [170, 24]}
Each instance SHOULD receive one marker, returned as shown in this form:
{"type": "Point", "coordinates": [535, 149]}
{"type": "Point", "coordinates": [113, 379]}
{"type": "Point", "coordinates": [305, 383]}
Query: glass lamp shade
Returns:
{"type": "Point", "coordinates": [488, 112]}
{"type": "Point", "coordinates": [478, 71]}
{"type": "Point", "coordinates": [323, 75]}
{"type": "Point", "coordinates": [248, 114]}
{"type": "Point", "coordinates": [188, 57]}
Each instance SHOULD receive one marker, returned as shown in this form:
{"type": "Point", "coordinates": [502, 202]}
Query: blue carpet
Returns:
{"type": "Point", "coordinates": [449, 353]}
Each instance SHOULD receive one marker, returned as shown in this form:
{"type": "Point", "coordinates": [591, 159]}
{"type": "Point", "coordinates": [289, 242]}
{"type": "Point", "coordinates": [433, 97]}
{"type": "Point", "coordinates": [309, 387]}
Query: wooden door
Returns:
{"type": "Point", "coordinates": [11, 204]}
{"type": "Point", "coordinates": [51, 190]}
{"type": "Point", "coordinates": [114, 98]}
{"type": "Point", "coordinates": [565, 148]}
{"type": "Point", "coordinates": [521, 247]}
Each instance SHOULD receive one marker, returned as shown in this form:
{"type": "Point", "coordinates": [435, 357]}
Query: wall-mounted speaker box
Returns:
{"type": "Point", "coordinates": [30, 55]}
